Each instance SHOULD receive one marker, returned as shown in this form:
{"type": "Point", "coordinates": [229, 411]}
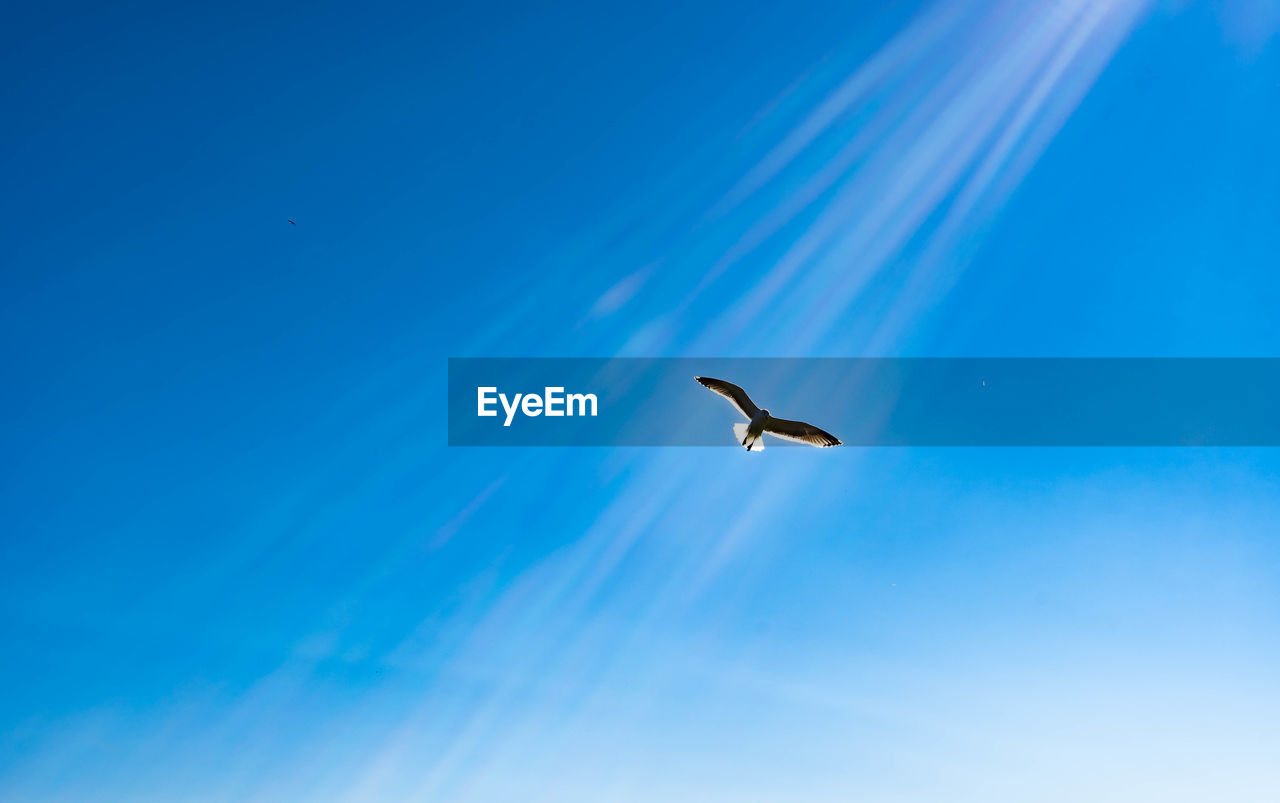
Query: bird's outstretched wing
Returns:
{"type": "Point", "coordinates": [800, 431]}
{"type": "Point", "coordinates": [732, 392]}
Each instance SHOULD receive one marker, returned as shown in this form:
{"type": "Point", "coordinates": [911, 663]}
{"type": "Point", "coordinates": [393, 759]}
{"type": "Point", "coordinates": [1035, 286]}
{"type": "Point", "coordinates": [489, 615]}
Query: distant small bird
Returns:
{"type": "Point", "coordinates": [751, 435]}
{"type": "Point", "coordinates": [292, 222]}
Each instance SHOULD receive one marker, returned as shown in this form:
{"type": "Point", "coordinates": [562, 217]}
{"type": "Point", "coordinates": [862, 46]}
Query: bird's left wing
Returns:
{"type": "Point", "coordinates": [736, 395]}
{"type": "Point", "coordinates": [800, 431]}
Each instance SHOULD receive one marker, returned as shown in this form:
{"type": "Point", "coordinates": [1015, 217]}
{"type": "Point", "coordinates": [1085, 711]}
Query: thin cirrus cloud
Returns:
{"type": "Point", "coordinates": [953, 131]}
{"type": "Point", "coordinates": [915, 151]}
{"type": "Point", "coordinates": [946, 117]}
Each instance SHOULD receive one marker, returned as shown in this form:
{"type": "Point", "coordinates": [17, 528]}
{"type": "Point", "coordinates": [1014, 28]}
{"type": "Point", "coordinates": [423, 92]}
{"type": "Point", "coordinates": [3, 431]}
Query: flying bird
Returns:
{"type": "Point", "coordinates": [291, 221]}
{"type": "Point", "coordinates": [751, 435]}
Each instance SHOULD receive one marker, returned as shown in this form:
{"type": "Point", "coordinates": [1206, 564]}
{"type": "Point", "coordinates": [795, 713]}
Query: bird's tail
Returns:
{"type": "Point", "coordinates": [740, 433]}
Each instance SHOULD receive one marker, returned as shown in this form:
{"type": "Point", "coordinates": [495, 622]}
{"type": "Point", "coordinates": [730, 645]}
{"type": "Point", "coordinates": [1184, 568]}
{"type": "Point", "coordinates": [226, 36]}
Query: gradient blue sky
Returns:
{"type": "Point", "coordinates": [237, 561]}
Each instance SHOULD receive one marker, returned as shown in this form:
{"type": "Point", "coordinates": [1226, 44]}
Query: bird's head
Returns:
{"type": "Point", "coordinates": [766, 412]}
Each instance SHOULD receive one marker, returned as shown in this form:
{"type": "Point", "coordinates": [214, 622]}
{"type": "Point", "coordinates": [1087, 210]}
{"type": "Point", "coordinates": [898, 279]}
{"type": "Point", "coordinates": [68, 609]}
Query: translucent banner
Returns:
{"type": "Point", "coordinates": [868, 402]}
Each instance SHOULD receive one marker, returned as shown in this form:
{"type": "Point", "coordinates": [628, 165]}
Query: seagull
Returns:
{"type": "Point", "coordinates": [292, 221]}
{"type": "Point", "coordinates": [751, 435]}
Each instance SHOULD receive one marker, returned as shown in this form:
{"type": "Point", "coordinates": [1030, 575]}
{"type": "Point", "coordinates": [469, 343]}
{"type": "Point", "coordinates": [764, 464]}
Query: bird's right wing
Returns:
{"type": "Point", "coordinates": [732, 392]}
{"type": "Point", "coordinates": [800, 432]}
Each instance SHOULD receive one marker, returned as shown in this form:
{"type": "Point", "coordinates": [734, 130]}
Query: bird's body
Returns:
{"type": "Point", "coordinates": [751, 435]}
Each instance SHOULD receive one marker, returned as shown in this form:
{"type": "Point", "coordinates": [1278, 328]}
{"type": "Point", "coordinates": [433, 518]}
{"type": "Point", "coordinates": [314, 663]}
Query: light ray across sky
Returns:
{"type": "Point", "coordinates": [952, 95]}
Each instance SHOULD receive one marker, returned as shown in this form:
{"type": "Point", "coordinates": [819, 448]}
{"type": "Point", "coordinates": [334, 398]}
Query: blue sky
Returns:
{"type": "Point", "coordinates": [239, 562]}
